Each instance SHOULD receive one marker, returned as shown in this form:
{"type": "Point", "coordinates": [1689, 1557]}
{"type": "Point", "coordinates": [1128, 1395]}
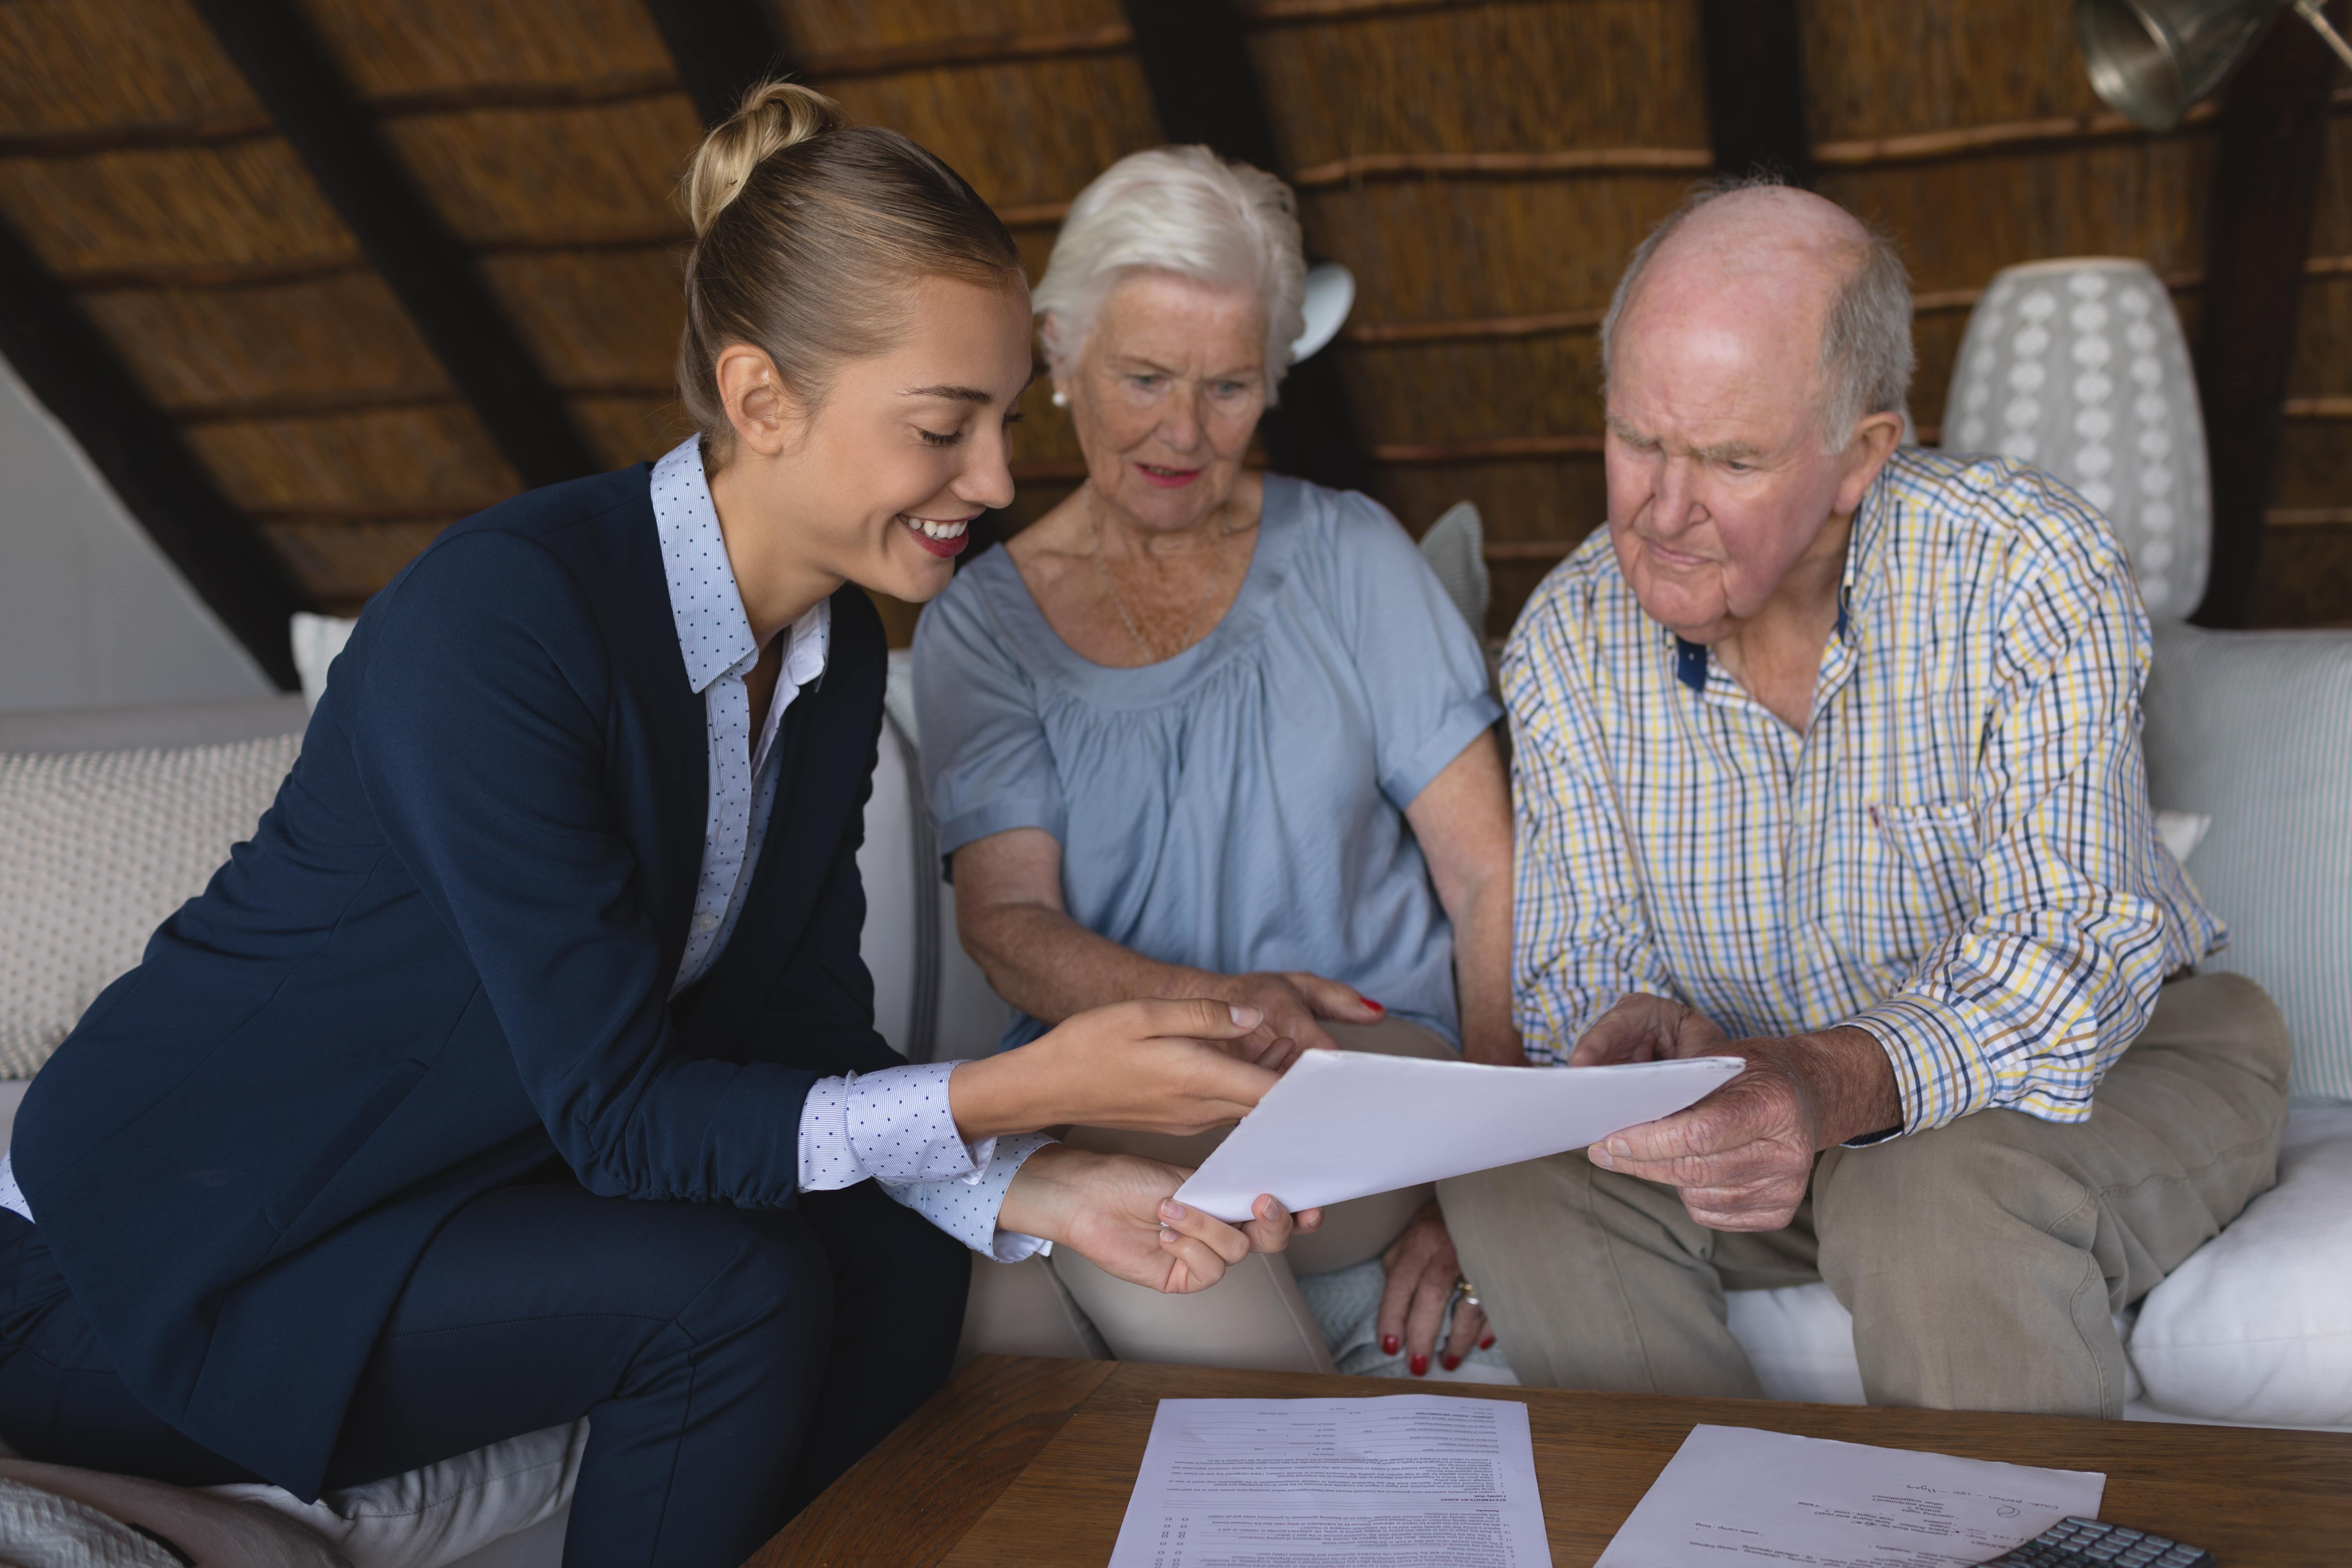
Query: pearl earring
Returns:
{"type": "Point", "coordinates": [1061, 398]}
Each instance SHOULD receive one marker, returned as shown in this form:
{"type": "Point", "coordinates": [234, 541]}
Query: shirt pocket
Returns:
{"type": "Point", "coordinates": [1936, 846]}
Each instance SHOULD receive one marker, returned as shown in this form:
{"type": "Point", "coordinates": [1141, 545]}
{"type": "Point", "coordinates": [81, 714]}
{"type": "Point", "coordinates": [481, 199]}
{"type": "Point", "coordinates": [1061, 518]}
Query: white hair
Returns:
{"type": "Point", "coordinates": [1179, 210]}
{"type": "Point", "coordinates": [1867, 355]}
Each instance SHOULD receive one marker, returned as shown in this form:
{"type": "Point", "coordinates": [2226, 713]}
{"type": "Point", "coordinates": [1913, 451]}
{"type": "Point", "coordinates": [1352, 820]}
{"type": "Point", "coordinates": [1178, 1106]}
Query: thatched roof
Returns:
{"type": "Point", "coordinates": [1483, 167]}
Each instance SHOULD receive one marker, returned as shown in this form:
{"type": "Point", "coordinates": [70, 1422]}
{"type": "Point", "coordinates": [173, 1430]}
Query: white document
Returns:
{"type": "Point", "coordinates": [1411, 1480]}
{"type": "Point", "coordinates": [1731, 1494]}
{"type": "Point", "coordinates": [1346, 1124]}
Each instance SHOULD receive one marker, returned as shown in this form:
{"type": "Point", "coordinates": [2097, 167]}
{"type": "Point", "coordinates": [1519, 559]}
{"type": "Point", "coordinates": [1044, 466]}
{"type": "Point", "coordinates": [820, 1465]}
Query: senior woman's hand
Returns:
{"type": "Point", "coordinates": [1119, 1212]}
{"type": "Point", "coordinates": [1151, 1066]}
{"type": "Point", "coordinates": [1293, 1002]}
{"type": "Point", "coordinates": [1423, 1269]}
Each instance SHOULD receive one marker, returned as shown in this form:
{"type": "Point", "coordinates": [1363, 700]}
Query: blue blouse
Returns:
{"type": "Point", "coordinates": [1239, 806]}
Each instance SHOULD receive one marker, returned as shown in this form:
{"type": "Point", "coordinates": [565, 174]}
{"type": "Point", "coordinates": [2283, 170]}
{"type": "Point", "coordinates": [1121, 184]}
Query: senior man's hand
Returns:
{"type": "Point", "coordinates": [1742, 1157]}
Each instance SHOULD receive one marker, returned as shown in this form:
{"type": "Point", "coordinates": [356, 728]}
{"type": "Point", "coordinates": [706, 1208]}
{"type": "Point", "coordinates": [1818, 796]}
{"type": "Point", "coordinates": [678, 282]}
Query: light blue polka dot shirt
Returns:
{"type": "Point", "coordinates": [894, 1125]}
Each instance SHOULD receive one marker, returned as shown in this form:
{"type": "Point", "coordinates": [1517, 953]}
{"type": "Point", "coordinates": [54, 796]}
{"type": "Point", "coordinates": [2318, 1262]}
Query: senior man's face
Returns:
{"type": "Point", "coordinates": [1166, 394]}
{"type": "Point", "coordinates": [1718, 482]}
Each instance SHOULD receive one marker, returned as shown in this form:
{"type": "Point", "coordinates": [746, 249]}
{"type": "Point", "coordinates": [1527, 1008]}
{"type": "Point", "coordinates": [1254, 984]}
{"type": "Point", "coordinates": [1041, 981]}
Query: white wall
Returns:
{"type": "Point", "coordinates": [91, 614]}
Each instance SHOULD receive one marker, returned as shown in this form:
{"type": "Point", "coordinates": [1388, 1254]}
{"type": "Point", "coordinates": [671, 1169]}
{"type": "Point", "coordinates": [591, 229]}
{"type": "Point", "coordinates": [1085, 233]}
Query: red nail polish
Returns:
{"type": "Point", "coordinates": [1374, 1005]}
{"type": "Point", "coordinates": [1452, 1362]}
{"type": "Point", "coordinates": [1388, 1344]}
{"type": "Point", "coordinates": [1488, 1343]}
{"type": "Point", "coordinates": [1420, 1366]}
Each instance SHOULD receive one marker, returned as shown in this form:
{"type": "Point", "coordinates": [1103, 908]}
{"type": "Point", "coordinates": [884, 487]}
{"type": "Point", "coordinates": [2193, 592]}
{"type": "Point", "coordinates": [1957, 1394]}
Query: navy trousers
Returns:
{"type": "Point", "coordinates": [731, 1362]}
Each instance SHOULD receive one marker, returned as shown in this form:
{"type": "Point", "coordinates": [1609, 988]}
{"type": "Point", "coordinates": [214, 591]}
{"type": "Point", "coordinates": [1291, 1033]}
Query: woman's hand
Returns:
{"type": "Point", "coordinates": [1120, 1213]}
{"type": "Point", "coordinates": [1290, 1003]}
{"type": "Point", "coordinates": [1151, 1066]}
{"type": "Point", "coordinates": [1423, 1269]}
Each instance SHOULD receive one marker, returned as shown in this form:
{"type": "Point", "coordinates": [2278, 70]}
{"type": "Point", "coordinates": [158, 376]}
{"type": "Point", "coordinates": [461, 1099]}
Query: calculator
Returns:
{"type": "Point", "coordinates": [2092, 1543]}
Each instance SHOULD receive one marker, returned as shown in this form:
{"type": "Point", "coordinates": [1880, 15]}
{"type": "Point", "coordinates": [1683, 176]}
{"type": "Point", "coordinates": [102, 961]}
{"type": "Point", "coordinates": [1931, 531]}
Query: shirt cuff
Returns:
{"type": "Point", "coordinates": [894, 1125]}
{"type": "Point", "coordinates": [968, 1210]}
{"type": "Point", "coordinates": [1938, 1075]}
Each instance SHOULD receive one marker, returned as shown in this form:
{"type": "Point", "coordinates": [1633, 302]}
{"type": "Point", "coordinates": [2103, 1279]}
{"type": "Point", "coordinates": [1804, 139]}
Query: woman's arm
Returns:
{"type": "Point", "coordinates": [1010, 914]}
{"type": "Point", "coordinates": [1463, 820]}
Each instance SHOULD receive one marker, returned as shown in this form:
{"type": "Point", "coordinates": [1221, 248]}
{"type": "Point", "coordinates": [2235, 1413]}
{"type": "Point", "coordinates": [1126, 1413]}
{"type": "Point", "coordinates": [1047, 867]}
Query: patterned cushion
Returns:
{"type": "Point", "coordinates": [96, 849]}
{"type": "Point", "coordinates": [2255, 730]}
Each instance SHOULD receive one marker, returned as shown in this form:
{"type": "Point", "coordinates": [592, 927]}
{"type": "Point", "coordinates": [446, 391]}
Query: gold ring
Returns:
{"type": "Point", "coordinates": [1467, 1291]}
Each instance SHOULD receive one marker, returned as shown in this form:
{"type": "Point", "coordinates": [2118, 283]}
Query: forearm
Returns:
{"type": "Point", "coordinates": [1482, 976]}
{"type": "Point", "coordinates": [1051, 967]}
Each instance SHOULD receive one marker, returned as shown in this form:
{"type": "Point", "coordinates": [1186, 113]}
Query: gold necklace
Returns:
{"type": "Point", "coordinates": [1152, 654]}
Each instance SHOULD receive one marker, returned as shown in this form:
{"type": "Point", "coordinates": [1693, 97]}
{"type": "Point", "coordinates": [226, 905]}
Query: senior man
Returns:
{"type": "Point", "coordinates": [1828, 758]}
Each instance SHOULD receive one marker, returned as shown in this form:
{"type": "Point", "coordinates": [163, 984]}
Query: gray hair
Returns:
{"type": "Point", "coordinates": [1181, 210]}
{"type": "Point", "coordinates": [1868, 357]}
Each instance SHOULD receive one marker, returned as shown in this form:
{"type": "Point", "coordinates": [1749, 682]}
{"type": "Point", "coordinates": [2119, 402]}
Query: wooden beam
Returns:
{"type": "Point", "coordinates": [2265, 190]}
{"type": "Point", "coordinates": [1755, 89]}
{"type": "Point", "coordinates": [76, 374]}
{"type": "Point", "coordinates": [433, 280]}
{"type": "Point", "coordinates": [1558, 161]}
{"type": "Point", "coordinates": [975, 49]}
{"type": "Point", "coordinates": [721, 48]}
{"type": "Point", "coordinates": [1196, 62]}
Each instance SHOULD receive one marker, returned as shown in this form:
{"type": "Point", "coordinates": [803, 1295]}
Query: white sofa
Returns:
{"type": "Point", "coordinates": [2252, 730]}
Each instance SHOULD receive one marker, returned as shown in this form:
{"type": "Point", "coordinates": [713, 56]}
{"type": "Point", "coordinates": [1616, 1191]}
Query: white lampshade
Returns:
{"type": "Point", "coordinates": [2078, 367]}
{"type": "Point", "coordinates": [1330, 295]}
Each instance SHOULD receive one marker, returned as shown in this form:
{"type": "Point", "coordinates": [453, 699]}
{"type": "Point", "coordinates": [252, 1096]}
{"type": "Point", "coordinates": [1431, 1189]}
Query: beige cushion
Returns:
{"type": "Point", "coordinates": [96, 849]}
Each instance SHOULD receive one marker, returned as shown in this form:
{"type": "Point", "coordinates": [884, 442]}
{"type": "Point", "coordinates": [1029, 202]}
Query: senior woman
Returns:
{"type": "Point", "coordinates": [1204, 731]}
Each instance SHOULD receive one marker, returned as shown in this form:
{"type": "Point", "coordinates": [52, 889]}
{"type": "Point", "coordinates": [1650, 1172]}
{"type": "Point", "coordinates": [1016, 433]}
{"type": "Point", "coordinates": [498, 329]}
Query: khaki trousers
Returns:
{"type": "Point", "coordinates": [1982, 1261]}
{"type": "Point", "coordinates": [1254, 1317]}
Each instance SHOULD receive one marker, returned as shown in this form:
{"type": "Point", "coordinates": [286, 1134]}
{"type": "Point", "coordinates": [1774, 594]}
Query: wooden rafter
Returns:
{"type": "Point", "coordinates": [721, 48]}
{"type": "Point", "coordinates": [433, 280]}
{"type": "Point", "coordinates": [2266, 191]}
{"type": "Point", "coordinates": [1755, 91]}
{"type": "Point", "coordinates": [76, 374]}
{"type": "Point", "coordinates": [976, 49]}
{"type": "Point", "coordinates": [1195, 59]}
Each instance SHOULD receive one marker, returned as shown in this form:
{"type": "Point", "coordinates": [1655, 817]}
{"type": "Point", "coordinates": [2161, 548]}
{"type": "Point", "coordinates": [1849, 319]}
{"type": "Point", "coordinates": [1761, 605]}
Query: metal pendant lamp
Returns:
{"type": "Point", "coordinates": [2151, 60]}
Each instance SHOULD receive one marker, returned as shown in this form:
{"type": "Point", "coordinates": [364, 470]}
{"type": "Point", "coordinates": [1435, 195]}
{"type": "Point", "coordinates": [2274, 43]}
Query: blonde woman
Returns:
{"type": "Point", "coordinates": [1202, 730]}
{"type": "Point", "coordinates": [522, 1067]}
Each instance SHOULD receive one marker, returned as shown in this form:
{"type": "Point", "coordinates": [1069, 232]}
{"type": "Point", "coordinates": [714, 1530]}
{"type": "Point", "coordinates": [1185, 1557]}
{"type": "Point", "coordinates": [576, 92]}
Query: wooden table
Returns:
{"type": "Point", "coordinates": [1026, 1463]}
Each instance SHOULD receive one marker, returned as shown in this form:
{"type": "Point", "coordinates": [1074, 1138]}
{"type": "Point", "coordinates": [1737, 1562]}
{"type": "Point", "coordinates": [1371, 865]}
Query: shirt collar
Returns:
{"type": "Point", "coordinates": [705, 603]}
{"type": "Point", "coordinates": [1860, 554]}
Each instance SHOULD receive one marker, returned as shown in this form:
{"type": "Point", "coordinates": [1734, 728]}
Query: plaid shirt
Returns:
{"type": "Point", "coordinates": [1956, 855]}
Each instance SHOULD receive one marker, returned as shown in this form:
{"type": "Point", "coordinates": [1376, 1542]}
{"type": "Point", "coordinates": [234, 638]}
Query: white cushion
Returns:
{"type": "Point", "coordinates": [53, 1515]}
{"type": "Point", "coordinates": [2257, 1326]}
{"type": "Point", "coordinates": [2255, 730]}
{"type": "Point", "coordinates": [317, 640]}
{"type": "Point", "coordinates": [96, 849]}
{"type": "Point", "coordinates": [1800, 1340]}
{"type": "Point", "coordinates": [432, 1518]}
{"type": "Point", "coordinates": [931, 1000]}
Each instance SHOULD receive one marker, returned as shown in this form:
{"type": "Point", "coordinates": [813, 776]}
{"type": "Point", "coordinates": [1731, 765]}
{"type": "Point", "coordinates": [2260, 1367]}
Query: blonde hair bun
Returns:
{"type": "Point", "coordinates": [774, 115]}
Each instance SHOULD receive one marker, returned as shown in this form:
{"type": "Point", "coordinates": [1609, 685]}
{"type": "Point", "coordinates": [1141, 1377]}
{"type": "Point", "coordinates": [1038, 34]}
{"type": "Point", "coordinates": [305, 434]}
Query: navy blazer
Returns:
{"type": "Point", "coordinates": [444, 960]}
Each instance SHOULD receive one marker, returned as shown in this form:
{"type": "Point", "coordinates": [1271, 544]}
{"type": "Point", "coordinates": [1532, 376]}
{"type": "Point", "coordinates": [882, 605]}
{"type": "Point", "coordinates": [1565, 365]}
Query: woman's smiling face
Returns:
{"type": "Point", "coordinates": [879, 483]}
{"type": "Point", "coordinates": [1166, 393]}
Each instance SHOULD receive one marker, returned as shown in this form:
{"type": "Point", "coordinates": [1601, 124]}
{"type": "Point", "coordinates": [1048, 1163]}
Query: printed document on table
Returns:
{"type": "Point", "coordinates": [1346, 1124]}
{"type": "Point", "coordinates": [1734, 1495]}
{"type": "Point", "coordinates": [1409, 1480]}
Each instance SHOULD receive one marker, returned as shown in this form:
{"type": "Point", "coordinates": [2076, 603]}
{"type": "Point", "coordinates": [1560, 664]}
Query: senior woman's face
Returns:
{"type": "Point", "coordinates": [1166, 394]}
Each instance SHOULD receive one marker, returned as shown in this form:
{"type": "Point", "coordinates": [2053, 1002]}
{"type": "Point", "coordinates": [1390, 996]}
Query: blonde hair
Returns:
{"type": "Point", "coordinates": [807, 229]}
{"type": "Point", "coordinates": [1185, 210]}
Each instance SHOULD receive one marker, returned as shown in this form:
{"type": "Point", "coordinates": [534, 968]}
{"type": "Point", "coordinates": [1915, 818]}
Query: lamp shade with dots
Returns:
{"type": "Point", "coordinates": [2079, 368]}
